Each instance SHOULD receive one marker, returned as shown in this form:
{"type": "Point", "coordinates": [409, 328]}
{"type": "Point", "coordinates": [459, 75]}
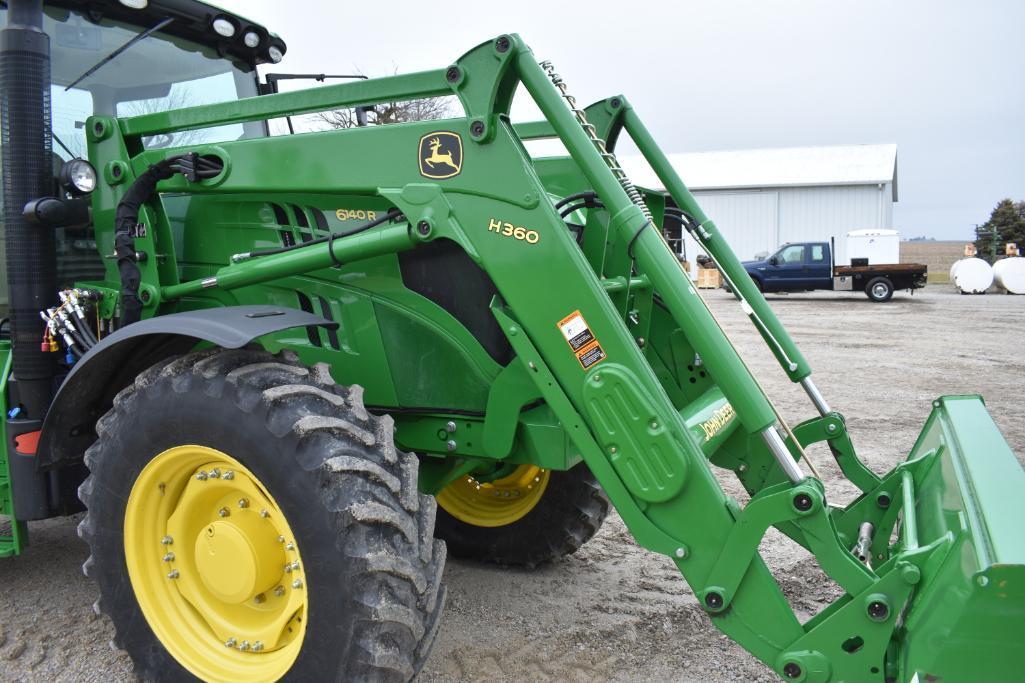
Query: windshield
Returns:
{"type": "Point", "coordinates": [156, 74]}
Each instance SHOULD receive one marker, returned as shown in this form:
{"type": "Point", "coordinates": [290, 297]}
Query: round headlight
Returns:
{"type": "Point", "coordinates": [251, 38]}
{"type": "Point", "coordinates": [224, 27]}
{"type": "Point", "coordinates": [78, 177]}
{"type": "Point", "coordinates": [274, 52]}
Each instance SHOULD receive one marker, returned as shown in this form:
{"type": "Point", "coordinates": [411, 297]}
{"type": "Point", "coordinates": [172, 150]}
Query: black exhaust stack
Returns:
{"type": "Point", "coordinates": [27, 175]}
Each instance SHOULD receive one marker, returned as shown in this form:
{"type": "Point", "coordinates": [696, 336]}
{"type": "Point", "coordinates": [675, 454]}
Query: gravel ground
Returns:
{"type": "Point", "coordinates": [613, 611]}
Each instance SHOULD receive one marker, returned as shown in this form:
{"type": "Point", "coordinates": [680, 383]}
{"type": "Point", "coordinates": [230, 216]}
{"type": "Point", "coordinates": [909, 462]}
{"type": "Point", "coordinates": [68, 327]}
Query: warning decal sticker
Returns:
{"type": "Point", "coordinates": [591, 355]}
{"type": "Point", "coordinates": [581, 340]}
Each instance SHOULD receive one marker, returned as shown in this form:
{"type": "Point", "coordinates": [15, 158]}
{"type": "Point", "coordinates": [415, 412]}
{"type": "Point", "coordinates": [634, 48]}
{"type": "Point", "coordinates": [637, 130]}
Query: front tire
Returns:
{"type": "Point", "coordinates": [505, 522]}
{"type": "Point", "coordinates": [189, 558]}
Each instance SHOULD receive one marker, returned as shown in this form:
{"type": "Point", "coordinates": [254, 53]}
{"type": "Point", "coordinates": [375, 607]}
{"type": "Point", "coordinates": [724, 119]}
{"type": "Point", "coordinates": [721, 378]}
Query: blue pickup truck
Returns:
{"type": "Point", "coordinates": [806, 266]}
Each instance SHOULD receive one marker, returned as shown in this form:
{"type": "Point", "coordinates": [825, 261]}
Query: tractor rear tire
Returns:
{"type": "Point", "coordinates": [569, 513]}
{"type": "Point", "coordinates": [366, 571]}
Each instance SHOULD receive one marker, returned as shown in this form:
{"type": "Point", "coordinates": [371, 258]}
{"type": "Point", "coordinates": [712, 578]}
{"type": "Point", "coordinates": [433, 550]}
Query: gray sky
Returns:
{"type": "Point", "coordinates": [943, 80]}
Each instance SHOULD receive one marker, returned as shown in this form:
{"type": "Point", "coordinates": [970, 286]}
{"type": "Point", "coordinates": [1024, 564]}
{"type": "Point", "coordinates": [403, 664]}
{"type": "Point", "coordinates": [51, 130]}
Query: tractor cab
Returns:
{"type": "Point", "coordinates": [132, 58]}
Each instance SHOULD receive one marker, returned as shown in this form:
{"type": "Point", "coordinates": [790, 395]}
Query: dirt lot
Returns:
{"type": "Point", "coordinates": [613, 611]}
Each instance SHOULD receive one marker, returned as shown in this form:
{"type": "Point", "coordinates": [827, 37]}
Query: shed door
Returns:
{"type": "Point", "coordinates": [748, 220]}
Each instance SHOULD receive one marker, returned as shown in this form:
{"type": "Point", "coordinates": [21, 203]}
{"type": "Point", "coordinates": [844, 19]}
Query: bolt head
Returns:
{"type": "Point", "coordinates": [244, 645]}
{"type": "Point", "coordinates": [290, 546]}
{"type": "Point", "coordinates": [229, 475]}
{"type": "Point", "coordinates": [502, 44]}
{"type": "Point", "coordinates": [831, 428]}
{"type": "Point", "coordinates": [242, 502]}
{"type": "Point", "coordinates": [257, 646]}
{"type": "Point", "coordinates": [792, 670]}
{"type": "Point", "coordinates": [166, 540]}
{"type": "Point", "coordinates": [169, 557]}
{"type": "Point", "coordinates": [452, 74]}
{"type": "Point", "coordinates": [230, 642]}
{"type": "Point", "coordinates": [423, 227]}
{"type": "Point", "coordinates": [450, 426]}
{"type": "Point", "coordinates": [878, 610]}
{"type": "Point", "coordinates": [295, 566]}
{"type": "Point", "coordinates": [803, 502]}
{"type": "Point", "coordinates": [259, 598]}
{"type": "Point", "coordinates": [281, 539]}
{"type": "Point", "coordinates": [681, 552]}
{"type": "Point", "coordinates": [279, 591]}
{"type": "Point", "coordinates": [173, 574]}
{"type": "Point", "coordinates": [654, 425]}
{"type": "Point", "coordinates": [883, 500]}
{"type": "Point", "coordinates": [477, 129]}
{"type": "Point", "coordinates": [713, 600]}
{"type": "Point", "coordinates": [215, 473]}
{"type": "Point", "coordinates": [223, 512]}
{"type": "Point", "coordinates": [201, 476]}
{"type": "Point", "coordinates": [451, 445]}
{"type": "Point", "coordinates": [297, 584]}
{"type": "Point", "coordinates": [264, 514]}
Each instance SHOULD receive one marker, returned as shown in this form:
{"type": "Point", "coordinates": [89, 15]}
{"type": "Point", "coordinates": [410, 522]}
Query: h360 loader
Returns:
{"type": "Point", "coordinates": [280, 373]}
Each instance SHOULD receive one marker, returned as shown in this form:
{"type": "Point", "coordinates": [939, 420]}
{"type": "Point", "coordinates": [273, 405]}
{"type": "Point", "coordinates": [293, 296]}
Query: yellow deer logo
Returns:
{"type": "Point", "coordinates": [441, 154]}
{"type": "Point", "coordinates": [437, 157]}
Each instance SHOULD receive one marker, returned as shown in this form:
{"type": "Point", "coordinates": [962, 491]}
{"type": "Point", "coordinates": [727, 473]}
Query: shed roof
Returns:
{"type": "Point", "coordinates": [776, 167]}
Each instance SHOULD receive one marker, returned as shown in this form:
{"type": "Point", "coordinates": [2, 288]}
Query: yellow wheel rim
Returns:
{"type": "Point", "coordinates": [495, 503]}
{"type": "Point", "coordinates": [215, 567]}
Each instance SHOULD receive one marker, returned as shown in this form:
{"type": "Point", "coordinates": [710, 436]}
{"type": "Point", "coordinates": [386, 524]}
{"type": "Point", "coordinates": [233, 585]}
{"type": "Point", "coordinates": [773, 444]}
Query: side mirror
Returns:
{"type": "Point", "coordinates": [773, 261]}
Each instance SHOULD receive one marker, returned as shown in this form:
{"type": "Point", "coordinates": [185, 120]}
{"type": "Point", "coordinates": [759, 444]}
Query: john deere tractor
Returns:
{"type": "Point", "coordinates": [281, 373]}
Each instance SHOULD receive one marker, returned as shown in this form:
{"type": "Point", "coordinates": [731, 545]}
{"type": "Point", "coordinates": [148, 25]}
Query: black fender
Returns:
{"type": "Point", "coordinates": [88, 390]}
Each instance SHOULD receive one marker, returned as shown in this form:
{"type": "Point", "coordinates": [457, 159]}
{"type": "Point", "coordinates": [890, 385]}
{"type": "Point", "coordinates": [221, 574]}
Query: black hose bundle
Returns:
{"type": "Point", "coordinates": [125, 221]}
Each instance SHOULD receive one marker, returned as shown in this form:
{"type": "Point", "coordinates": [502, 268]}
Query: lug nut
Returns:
{"type": "Point", "coordinates": [215, 473]}
{"type": "Point", "coordinates": [244, 645]}
{"type": "Point", "coordinates": [264, 514]}
{"type": "Point", "coordinates": [295, 566]}
{"type": "Point", "coordinates": [297, 584]}
{"type": "Point", "coordinates": [259, 598]}
{"type": "Point", "coordinates": [173, 574]}
{"type": "Point", "coordinates": [279, 591]}
{"type": "Point", "coordinates": [288, 567]}
{"type": "Point", "coordinates": [229, 475]}
{"type": "Point", "coordinates": [281, 539]}
{"type": "Point", "coordinates": [201, 475]}
{"type": "Point", "coordinates": [169, 557]}
{"type": "Point", "coordinates": [223, 512]}
{"type": "Point", "coordinates": [230, 642]}
{"type": "Point", "coordinates": [290, 546]}
{"type": "Point", "coordinates": [166, 540]}
{"type": "Point", "coordinates": [242, 502]}
{"type": "Point", "coordinates": [257, 646]}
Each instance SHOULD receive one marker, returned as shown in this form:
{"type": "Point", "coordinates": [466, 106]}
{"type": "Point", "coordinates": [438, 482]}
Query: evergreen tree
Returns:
{"type": "Point", "coordinates": [1006, 224]}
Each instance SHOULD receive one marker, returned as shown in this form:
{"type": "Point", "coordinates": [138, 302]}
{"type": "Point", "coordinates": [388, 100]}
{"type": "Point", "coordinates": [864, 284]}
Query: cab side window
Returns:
{"type": "Point", "coordinates": [792, 254]}
{"type": "Point", "coordinates": [818, 253]}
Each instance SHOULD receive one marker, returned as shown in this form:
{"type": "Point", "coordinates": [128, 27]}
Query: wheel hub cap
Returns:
{"type": "Point", "coordinates": [215, 567]}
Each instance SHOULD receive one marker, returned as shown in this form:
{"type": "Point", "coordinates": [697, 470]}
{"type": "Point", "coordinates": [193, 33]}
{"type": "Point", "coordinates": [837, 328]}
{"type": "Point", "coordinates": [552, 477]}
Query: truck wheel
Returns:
{"type": "Point", "coordinates": [879, 289]}
{"type": "Point", "coordinates": [247, 519]}
{"type": "Point", "coordinates": [523, 516]}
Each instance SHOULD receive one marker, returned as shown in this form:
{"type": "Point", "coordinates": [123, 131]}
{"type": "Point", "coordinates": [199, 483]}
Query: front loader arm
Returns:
{"type": "Point", "coordinates": [575, 318]}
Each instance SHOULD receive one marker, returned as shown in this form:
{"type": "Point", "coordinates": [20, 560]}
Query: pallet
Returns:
{"type": "Point", "coordinates": [709, 278]}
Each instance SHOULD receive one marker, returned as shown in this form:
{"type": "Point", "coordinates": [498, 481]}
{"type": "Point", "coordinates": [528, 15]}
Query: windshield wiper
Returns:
{"type": "Point", "coordinates": [113, 55]}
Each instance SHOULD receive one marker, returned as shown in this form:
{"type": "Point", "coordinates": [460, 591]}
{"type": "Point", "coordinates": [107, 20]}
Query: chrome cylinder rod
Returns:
{"type": "Point", "coordinates": [782, 454]}
{"type": "Point", "coordinates": [815, 395]}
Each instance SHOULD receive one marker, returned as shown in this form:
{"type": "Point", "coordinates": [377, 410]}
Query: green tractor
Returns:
{"type": "Point", "coordinates": [283, 374]}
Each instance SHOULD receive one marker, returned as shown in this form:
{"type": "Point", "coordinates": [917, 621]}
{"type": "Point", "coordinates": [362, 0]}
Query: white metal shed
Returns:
{"type": "Point", "coordinates": [763, 198]}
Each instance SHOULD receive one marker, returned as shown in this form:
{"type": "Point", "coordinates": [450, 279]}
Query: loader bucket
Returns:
{"type": "Point", "coordinates": [966, 620]}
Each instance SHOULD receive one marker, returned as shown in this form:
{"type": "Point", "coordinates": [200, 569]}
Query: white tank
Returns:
{"type": "Point", "coordinates": [971, 275]}
{"type": "Point", "coordinates": [1009, 274]}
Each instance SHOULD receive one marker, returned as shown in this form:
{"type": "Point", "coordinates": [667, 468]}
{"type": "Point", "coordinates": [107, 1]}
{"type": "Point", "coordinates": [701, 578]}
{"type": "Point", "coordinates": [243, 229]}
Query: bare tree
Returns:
{"type": "Point", "coordinates": [177, 98]}
{"type": "Point", "coordinates": [392, 112]}
{"type": "Point", "coordinates": [427, 109]}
